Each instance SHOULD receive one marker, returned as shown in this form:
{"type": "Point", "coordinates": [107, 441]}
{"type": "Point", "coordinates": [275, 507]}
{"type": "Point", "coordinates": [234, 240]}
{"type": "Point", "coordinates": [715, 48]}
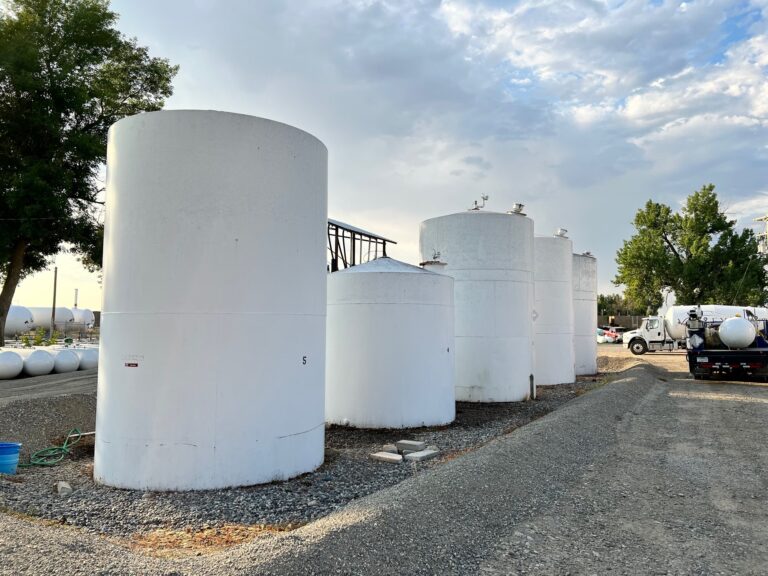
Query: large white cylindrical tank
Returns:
{"type": "Point", "coordinates": [490, 257]}
{"type": "Point", "coordinates": [584, 314]}
{"type": "Point", "coordinates": [554, 311]}
{"type": "Point", "coordinates": [676, 317]}
{"type": "Point", "coordinates": [737, 332]}
{"type": "Point", "coordinates": [389, 360]}
{"type": "Point", "coordinates": [89, 358]}
{"type": "Point", "coordinates": [11, 364]}
{"type": "Point", "coordinates": [64, 360]}
{"type": "Point", "coordinates": [19, 320]}
{"type": "Point", "coordinates": [36, 362]}
{"type": "Point", "coordinates": [216, 230]}
{"type": "Point", "coordinates": [83, 317]}
{"type": "Point", "coordinates": [41, 317]}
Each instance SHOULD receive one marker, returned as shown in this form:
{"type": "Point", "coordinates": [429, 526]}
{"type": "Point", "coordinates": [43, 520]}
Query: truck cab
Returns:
{"type": "Point", "coordinates": [652, 336]}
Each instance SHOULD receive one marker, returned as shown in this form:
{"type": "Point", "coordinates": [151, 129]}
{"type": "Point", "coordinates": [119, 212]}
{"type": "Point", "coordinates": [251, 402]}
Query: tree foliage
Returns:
{"type": "Point", "coordinates": [696, 252]}
{"type": "Point", "coordinates": [616, 305]}
{"type": "Point", "coordinates": [66, 75]}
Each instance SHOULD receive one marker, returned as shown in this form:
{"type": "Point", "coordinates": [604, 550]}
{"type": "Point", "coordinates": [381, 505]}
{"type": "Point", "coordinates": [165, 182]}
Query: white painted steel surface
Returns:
{"type": "Point", "coordinates": [216, 231]}
{"type": "Point", "coordinates": [490, 257]}
{"type": "Point", "coordinates": [584, 314]}
{"type": "Point", "coordinates": [64, 360]}
{"type": "Point", "coordinates": [676, 317]}
{"type": "Point", "coordinates": [11, 364]}
{"type": "Point", "coordinates": [89, 358]}
{"type": "Point", "coordinates": [36, 362]}
{"type": "Point", "coordinates": [390, 347]}
{"type": "Point", "coordinates": [41, 317]}
{"type": "Point", "coordinates": [554, 342]}
{"type": "Point", "coordinates": [19, 320]}
{"type": "Point", "coordinates": [737, 332]}
{"type": "Point", "coordinates": [83, 317]}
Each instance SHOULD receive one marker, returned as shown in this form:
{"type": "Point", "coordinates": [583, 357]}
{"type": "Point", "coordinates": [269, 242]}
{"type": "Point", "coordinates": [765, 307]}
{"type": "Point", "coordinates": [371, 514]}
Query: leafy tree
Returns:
{"type": "Point", "coordinates": [616, 305]}
{"type": "Point", "coordinates": [66, 75]}
{"type": "Point", "coordinates": [697, 252]}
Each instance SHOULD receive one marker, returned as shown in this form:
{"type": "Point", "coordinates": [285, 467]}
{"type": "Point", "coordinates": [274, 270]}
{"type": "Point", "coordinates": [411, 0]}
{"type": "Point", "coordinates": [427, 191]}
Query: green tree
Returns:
{"type": "Point", "coordinates": [616, 305]}
{"type": "Point", "coordinates": [66, 75]}
{"type": "Point", "coordinates": [697, 252]}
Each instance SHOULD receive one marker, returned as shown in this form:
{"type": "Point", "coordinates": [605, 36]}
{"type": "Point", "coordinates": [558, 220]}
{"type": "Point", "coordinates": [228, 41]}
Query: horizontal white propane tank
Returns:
{"type": "Point", "coordinates": [11, 364]}
{"type": "Point", "coordinates": [89, 357]}
{"type": "Point", "coordinates": [84, 317]}
{"type": "Point", "coordinates": [64, 360]}
{"type": "Point", "coordinates": [677, 316]}
{"type": "Point", "coordinates": [737, 332]}
{"type": "Point", "coordinates": [36, 362]}
{"type": "Point", "coordinates": [41, 317]}
{"type": "Point", "coordinates": [19, 320]}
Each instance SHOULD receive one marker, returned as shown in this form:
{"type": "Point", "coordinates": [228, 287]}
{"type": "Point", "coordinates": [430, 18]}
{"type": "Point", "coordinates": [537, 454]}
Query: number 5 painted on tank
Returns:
{"type": "Point", "coordinates": [303, 360]}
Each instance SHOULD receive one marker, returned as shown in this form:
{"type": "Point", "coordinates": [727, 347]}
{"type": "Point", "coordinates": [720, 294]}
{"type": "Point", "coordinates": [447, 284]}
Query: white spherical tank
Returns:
{"type": "Point", "coordinates": [737, 332]}
{"type": "Point", "coordinates": [83, 317]}
{"type": "Point", "coordinates": [584, 314]}
{"type": "Point", "coordinates": [11, 364]}
{"type": "Point", "coordinates": [89, 358]}
{"type": "Point", "coordinates": [216, 230]}
{"type": "Point", "coordinates": [36, 362]}
{"type": "Point", "coordinates": [64, 360]}
{"type": "Point", "coordinates": [19, 320]}
{"type": "Point", "coordinates": [554, 343]}
{"type": "Point", "coordinates": [41, 317]}
{"type": "Point", "coordinates": [389, 360]}
{"type": "Point", "coordinates": [676, 317]}
{"type": "Point", "coordinates": [490, 257]}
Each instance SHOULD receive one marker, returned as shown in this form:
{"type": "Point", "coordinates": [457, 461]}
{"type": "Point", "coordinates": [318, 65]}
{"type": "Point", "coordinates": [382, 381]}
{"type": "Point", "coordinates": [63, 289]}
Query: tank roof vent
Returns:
{"type": "Point", "coordinates": [561, 233]}
{"type": "Point", "coordinates": [517, 208]}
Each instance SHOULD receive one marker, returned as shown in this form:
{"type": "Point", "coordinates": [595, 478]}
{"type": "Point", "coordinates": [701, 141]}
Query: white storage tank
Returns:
{"type": "Point", "coordinates": [36, 362]}
{"type": "Point", "coordinates": [41, 317]}
{"type": "Point", "coordinates": [554, 310]}
{"type": "Point", "coordinates": [83, 317]}
{"type": "Point", "coordinates": [11, 364]}
{"type": "Point", "coordinates": [19, 320]}
{"type": "Point", "coordinates": [584, 313]}
{"type": "Point", "coordinates": [215, 230]}
{"type": "Point", "coordinates": [89, 357]}
{"type": "Point", "coordinates": [490, 257]}
{"type": "Point", "coordinates": [64, 360]}
{"type": "Point", "coordinates": [389, 360]}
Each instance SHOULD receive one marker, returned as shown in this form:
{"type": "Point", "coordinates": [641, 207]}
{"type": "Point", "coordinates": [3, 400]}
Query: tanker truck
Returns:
{"type": "Point", "coordinates": [736, 347]}
{"type": "Point", "coordinates": [668, 332]}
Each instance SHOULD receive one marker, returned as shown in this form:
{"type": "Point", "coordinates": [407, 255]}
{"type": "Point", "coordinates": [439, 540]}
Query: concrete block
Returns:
{"type": "Point", "coordinates": [389, 448]}
{"type": "Point", "coordinates": [410, 445]}
{"type": "Point", "coordinates": [387, 457]}
{"type": "Point", "coordinates": [421, 455]}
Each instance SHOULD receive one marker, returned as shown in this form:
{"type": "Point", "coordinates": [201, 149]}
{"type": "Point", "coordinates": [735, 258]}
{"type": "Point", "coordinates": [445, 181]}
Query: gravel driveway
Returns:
{"type": "Point", "coordinates": [651, 474]}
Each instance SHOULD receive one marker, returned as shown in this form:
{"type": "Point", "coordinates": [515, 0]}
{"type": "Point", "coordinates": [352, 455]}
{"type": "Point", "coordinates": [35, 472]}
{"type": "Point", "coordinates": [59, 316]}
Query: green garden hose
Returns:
{"type": "Point", "coordinates": [54, 454]}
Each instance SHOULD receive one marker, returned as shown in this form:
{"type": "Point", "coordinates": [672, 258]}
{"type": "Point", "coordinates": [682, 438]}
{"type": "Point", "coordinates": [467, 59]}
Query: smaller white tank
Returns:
{"type": "Point", "coordinates": [11, 364]}
{"type": "Point", "coordinates": [37, 362]}
{"type": "Point", "coordinates": [19, 320]}
{"type": "Point", "coordinates": [41, 316]}
{"type": "Point", "coordinates": [64, 360]}
{"type": "Point", "coordinates": [84, 317]}
{"type": "Point", "coordinates": [89, 357]}
{"type": "Point", "coordinates": [737, 332]}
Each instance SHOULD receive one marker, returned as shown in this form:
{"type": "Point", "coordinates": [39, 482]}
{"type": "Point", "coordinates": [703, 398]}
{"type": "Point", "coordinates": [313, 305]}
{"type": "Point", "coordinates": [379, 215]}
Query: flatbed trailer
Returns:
{"type": "Point", "coordinates": [751, 363]}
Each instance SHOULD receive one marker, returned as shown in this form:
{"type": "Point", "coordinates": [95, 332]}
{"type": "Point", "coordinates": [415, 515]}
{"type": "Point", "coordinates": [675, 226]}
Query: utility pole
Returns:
{"type": "Point", "coordinates": [53, 308]}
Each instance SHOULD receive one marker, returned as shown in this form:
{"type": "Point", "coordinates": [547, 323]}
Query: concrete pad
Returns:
{"type": "Point", "coordinates": [410, 445]}
{"type": "Point", "coordinates": [421, 455]}
{"type": "Point", "coordinates": [387, 457]}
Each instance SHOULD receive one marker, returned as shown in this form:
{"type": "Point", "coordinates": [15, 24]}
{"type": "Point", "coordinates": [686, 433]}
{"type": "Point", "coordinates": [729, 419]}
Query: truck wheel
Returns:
{"type": "Point", "coordinates": [638, 347]}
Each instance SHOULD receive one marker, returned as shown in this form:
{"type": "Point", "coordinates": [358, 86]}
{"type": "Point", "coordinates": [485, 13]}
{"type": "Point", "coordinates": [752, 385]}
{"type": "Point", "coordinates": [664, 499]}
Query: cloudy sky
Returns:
{"type": "Point", "coordinates": [580, 109]}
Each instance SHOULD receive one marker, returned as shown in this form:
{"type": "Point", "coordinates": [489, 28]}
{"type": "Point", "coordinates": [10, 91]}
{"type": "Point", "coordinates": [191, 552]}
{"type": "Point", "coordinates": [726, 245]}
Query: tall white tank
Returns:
{"type": "Point", "coordinates": [83, 317]}
{"type": "Point", "coordinates": [676, 317]}
{"type": "Point", "coordinates": [11, 364]}
{"type": "Point", "coordinates": [584, 313]}
{"type": "Point", "coordinates": [390, 347]}
{"type": "Point", "coordinates": [554, 310]}
{"type": "Point", "coordinates": [41, 317]}
{"type": "Point", "coordinates": [490, 257]}
{"type": "Point", "coordinates": [216, 230]}
{"type": "Point", "coordinates": [19, 320]}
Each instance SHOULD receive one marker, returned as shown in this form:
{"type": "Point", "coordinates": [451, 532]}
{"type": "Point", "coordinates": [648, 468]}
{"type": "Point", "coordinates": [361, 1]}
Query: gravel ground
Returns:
{"type": "Point", "coordinates": [347, 474]}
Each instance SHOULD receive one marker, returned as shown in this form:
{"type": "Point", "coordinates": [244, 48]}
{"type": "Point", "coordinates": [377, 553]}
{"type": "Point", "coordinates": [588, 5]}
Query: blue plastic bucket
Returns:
{"type": "Point", "coordinates": [9, 457]}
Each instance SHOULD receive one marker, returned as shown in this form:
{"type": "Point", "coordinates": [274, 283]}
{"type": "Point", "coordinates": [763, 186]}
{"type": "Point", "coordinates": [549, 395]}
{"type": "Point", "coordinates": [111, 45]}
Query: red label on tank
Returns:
{"type": "Point", "coordinates": [131, 364]}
